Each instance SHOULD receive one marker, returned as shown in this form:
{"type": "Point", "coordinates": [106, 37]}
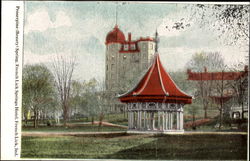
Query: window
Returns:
{"type": "Point", "coordinates": [124, 57]}
{"type": "Point", "coordinates": [112, 66]}
{"type": "Point", "coordinates": [126, 47]}
{"type": "Point", "coordinates": [151, 46]}
{"type": "Point", "coordinates": [132, 46]}
{"type": "Point", "coordinates": [107, 68]}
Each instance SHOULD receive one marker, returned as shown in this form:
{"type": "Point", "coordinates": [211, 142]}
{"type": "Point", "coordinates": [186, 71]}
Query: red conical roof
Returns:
{"type": "Point", "coordinates": [115, 36]}
{"type": "Point", "coordinates": [156, 86]}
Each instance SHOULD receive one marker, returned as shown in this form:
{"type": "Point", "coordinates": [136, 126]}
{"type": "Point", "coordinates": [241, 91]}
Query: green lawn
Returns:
{"type": "Point", "coordinates": [84, 128]}
{"type": "Point", "coordinates": [137, 147]}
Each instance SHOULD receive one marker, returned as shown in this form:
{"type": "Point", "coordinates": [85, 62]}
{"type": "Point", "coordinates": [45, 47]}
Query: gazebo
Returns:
{"type": "Point", "coordinates": [155, 104]}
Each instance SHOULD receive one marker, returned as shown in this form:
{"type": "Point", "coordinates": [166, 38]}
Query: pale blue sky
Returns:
{"type": "Point", "coordinates": [80, 28]}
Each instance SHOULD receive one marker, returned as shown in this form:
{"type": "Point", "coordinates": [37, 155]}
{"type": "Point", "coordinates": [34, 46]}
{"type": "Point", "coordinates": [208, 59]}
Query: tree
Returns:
{"type": "Point", "coordinates": [221, 89]}
{"type": "Point", "coordinates": [90, 96]}
{"type": "Point", "coordinates": [240, 86]}
{"type": "Point", "coordinates": [77, 100]}
{"type": "Point", "coordinates": [102, 101]}
{"type": "Point", "coordinates": [180, 79]}
{"type": "Point", "coordinates": [38, 90]}
{"type": "Point", "coordinates": [230, 21]}
{"type": "Point", "coordinates": [211, 61]}
{"type": "Point", "coordinates": [63, 69]}
{"type": "Point", "coordinates": [193, 109]}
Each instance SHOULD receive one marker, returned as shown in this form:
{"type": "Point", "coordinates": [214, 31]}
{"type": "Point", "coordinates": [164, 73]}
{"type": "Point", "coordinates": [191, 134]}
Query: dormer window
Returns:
{"type": "Point", "coordinates": [126, 47]}
{"type": "Point", "coordinates": [132, 46]}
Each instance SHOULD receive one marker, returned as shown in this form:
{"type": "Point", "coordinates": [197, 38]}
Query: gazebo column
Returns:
{"type": "Point", "coordinates": [153, 121]}
{"type": "Point", "coordinates": [159, 120]}
{"type": "Point", "coordinates": [167, 121]}
{"type": "Point", "coordinates": [144, 120]}
{"type": "Point", "coordinates": [129, 120]}
{"type": "Point", "coordinates": [133, 119]}
{"type": "Point", "coordinates": [149, 120]}
{"type": "Point", "coordinates": [171, 120]}
{"type": "Point", "coordinates": [163, 121]}
{"type": "Point", "coordinates": [181, 120]}
{"type": "Point", "coordinates": [138, 120]}
{"type": "Point", "coordinates": [138, 115]}
{"type": "Point", "coordinates": [178, 120]}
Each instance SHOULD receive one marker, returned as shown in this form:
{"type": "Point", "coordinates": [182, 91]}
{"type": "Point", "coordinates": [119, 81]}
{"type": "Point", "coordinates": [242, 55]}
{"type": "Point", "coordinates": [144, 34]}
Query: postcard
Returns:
{"type": "Point", "coordinates": [96, 80]}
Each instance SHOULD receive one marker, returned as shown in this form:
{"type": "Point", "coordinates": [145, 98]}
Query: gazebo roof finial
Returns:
{"type": "Point", "coordinates": [156, 41]}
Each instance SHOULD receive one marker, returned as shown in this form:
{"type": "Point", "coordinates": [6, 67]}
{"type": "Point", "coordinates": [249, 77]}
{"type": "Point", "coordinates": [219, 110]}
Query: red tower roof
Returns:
{"type": "Point", "coordinates": [115, 36]}
{"type": "Point", "coordinates": [156, 86]}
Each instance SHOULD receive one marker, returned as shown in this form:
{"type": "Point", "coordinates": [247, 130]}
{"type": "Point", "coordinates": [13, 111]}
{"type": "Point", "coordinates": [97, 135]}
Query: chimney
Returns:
{"type": "Point", "coordinates": [129, 36]}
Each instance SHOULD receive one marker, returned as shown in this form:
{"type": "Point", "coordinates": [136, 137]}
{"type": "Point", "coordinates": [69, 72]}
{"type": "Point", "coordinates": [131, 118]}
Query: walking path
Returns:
{"type": "Point", "coordinates": [114, 133]}
{"type": "Point", "coordinates": [72, 133]}
{"type": "Point", "coordinates": [90, 123]}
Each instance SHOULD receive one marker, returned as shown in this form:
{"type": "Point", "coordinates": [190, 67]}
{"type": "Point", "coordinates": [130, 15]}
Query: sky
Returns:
{"type": "Point", "coordinates": [79, 29]}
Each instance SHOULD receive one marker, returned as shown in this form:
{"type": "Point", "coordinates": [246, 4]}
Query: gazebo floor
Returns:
{"type": "Point", "coordinates": [130, 131]}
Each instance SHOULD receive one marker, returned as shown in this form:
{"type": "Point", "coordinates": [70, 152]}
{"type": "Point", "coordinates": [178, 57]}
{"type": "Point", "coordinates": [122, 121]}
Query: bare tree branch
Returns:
{"type": "Point", "coordinates": [63, 69]}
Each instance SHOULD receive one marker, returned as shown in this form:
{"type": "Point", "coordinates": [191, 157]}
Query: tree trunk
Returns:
{"type": "Point", "coordinates": [220, 118]}
{"type": "Point", "coordinates": [205, 113]}
{"type": "Point", "coordinates": [100, 121]}
{"type": "Point", "coordinates": [92, 120]}
{"type": "Point", "coordinates": [35, 119]}
{"type": "Point", "coordinates": [25, 120]}
{"type": "Point", "coordinates": [242, 108]}
{"type": "Point", "coordinates": [193, 124]}
{"type": "Point", "coordinates": [65, 115]}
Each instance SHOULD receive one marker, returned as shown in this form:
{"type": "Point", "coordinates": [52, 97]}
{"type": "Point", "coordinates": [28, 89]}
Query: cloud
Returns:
{"type": "Point", "coordinates": [61, 20]}
{"type": "Point", "coordinates": [31, 58]}
{"type": "Point", "coordinates": [88, 65]}
{"type": "Point", "coordinates": [175, 58]}
{"type": "Point", "coordinates": [41, 21]}
{"type": "Point", "coordinates": [77, 26]}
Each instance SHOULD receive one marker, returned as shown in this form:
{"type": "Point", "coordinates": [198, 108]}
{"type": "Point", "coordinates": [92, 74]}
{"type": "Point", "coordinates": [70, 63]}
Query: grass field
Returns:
{"type": "Point", "coordinates": [137, 147]}
{"type": "Point", "coordinates": [85, 128]}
